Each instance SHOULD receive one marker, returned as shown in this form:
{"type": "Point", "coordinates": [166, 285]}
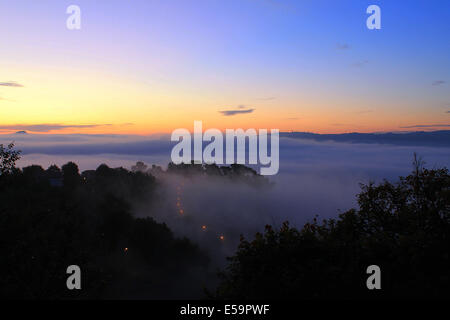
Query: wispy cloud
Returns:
{"type": "Point", "coordinates": [46, 127]}
{"type": "Point", "coordinates": [360, 64]}
{"type": "Point", "coordinates": [364, 111]}
{"type": "Point", "coordinates": [266, 98]}
{"type": "Point", "coordinates": [437, 82]}
{"type": "Point", "coordinates": [11, 84]}
{"type": "Point", "coordinates": [240, 110]}
{"type": "Point", "coordinates": [342, 46]}
{"type": "Point", "coordinates": [426, 126]}
{"type": "Point", "coordinates": [338, 124]}
{"type": "Point", "coordinates": [4, 99]}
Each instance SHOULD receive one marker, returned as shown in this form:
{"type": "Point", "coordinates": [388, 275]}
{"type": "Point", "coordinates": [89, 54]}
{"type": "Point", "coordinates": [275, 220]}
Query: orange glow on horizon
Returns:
{"type": "Point", "coordinates": [110, 104]}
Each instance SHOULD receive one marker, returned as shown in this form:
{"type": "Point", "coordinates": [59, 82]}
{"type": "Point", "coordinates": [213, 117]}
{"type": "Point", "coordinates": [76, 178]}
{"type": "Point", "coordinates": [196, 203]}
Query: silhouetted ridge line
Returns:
{"type": "Point", "coordinates": [419, 138]}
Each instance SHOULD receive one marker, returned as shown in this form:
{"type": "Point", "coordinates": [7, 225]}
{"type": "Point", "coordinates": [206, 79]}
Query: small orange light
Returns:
{"type": "Point", "coordinates": [222, 238]}
{"type": "Point", "coordinates": [125, 249]}
{"type": "Point", "coordinates": [203, 228]}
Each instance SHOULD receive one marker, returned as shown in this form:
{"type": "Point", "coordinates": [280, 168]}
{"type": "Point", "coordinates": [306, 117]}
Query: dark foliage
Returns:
{"type": "Point", "coordinates": [404, 228]}
{"type": "Point", "coordinates": [8, 158]}
{"type": "Point", "coordinates": [50, 219]}
{"type": "Point", "coordinates": [234, 172]}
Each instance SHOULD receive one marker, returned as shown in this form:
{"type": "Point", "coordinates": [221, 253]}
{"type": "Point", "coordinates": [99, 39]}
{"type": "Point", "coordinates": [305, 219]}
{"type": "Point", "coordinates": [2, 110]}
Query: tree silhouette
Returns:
{"type": "Point", "coordinates": [8, 158]}
{"type": "Point", "coordinates": [71, 175]}
{"type": "Point", "coordinates": [404, 228]}
{"type": "Point", "coordinates": [45, 226]}
{"type": "Point", "coordinates": [139, 166]}
{"type": "Point", "coordinates": [88, 222]}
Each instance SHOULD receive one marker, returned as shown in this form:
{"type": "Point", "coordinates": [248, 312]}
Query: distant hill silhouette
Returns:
{"type": "Point", "coordinates": [418, 138]}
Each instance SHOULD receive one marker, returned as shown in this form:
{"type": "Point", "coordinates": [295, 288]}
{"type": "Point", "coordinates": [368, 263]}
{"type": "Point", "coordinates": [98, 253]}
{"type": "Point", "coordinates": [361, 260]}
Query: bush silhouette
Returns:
{"type": "Point", "coordinates": [86, 220]}
{"type": "Point", "coordinates": [404, 228]}
{"type": "Point", "coordinates": [50, 219]}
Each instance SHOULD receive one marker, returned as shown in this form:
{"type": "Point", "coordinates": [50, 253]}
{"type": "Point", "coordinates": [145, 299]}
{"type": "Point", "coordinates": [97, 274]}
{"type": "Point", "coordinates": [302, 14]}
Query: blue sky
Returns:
{"type": "Point", "coordinates": [303, 65]}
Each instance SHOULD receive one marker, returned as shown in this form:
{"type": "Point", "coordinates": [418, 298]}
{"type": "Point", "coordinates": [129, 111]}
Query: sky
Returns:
{"type": "Point", "coordinates": [149, 66]}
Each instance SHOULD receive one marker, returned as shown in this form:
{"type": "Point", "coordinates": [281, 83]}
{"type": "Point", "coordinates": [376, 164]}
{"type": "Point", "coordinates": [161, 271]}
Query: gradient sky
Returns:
{"type": "Point", "coordinates": [148, 66]}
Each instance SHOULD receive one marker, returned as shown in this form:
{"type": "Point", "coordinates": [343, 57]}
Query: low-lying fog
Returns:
{"type": "Point", "coordinates": [315, 178]}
